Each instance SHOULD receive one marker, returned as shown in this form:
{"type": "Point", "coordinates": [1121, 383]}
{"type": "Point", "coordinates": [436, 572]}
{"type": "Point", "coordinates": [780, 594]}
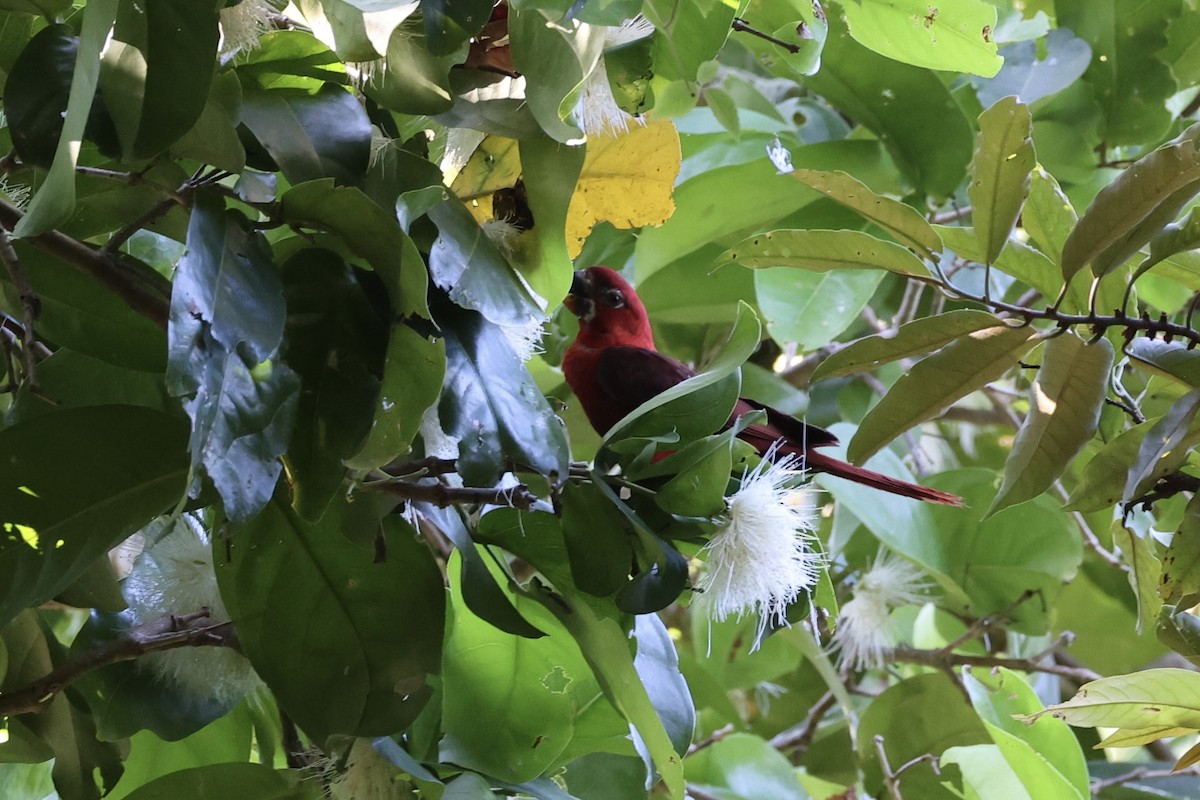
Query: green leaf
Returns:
{"type": "Point", "coordinates": [414, 81]}
{"type": "Point", "coordinates": [894, 101]}
{"type": "Point", "coordinates": [744, 766]}
{"type": "Point", "coordinates": [1126, 73]}
{"type": "Point", "coordinates": [1175, 361]}
{"type": "Point", "coordinates": [1046, 755]}
{"type": "Point", "coordinates": [510, 703]}
{"type": "Point", "coordinates": [936, 382]}
{"type": "Point", "coordinates": [597, 539]}
{"type": "Point", "coordinates": [230, 781]}
{"type": "Point", "coordinates": [213, 139]}
{"type": "Point", "coordinates": [911, 339]}
{"type": "Point", "coordinates": [698, 489]}
{"type": "Point", "coordinates": [823, 251]}
{"type": "Point", "coordinates": [369, 232]}
{"type": "Point", "coordinates": [55, 198]}
{"type": "Point", "coordinates": [50, 9]}
{"type": "Point", "coordinates": [367, 631]}
{"type": "Point", "coordinates": [986, 774]}
{"type": "Point", "coordinates": [1165, 447]}
{"type": "Point", "coordinates": [73, 484]}
{"type": "Point", "coordinates": [448, 24]}
{"type": "Point", "coordinates": [1037, 68]}
{"type": "Point", "coordinates": [1181, 562]}
{"type": "Point", "coordinates": [900, 220]}
{"type": "Point", "coordinates": [923, 714]}
{"type": "Point", "coordinates": [1064, 412]}
{"type": "Point", "coordinates": [802, 25]}
{"type": "Point", "coordinates": [1145, 574]}
{"type": "Point", "coordinates": [657, 664]}
{"type": "Point", "coordinates": [686, 36]}
{"type": "Point", "coordinates": [156, 70]}
{"type": "Point", "coordinates": [550, 171]}
{"type": "Point", "coordinates": [492, 405]}
{"type": "Point", "coordinates": [551, 58]}
{"type": "Point", "coordinates": [1128, 212]}
{"type": "Point", "coordinates": [949, 36]}
{"type": "Point", "coordinates": [1146, 699]}
{"type": "Point", "coordinates": [310, 135]}
{"type": "Point", "coordinates": [1048, 216]}
{"type": "Point", "coordinates": [1102, 482]}
{"type": "Point", "coordinates": [1003, 160]}
{"type": "Point", "coordinates": [812, 308]}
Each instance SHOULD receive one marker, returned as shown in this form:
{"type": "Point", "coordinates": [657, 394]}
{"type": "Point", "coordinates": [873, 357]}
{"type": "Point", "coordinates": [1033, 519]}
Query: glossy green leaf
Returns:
{"type": "Point", "coordinates": [368, 631]}
{"type": "Point", "coordinates": [924, 714]}
{"type": "Point", "coordinates": [823, 251]}
{"type": "Point", "coordinates": [551, 58]}
{"type": "Point", "coordinates": [900, 220]}
{"type": "Point", "coordinates": [657, 664]}
{"type": "Point", "coordinates": [156, 71]}
{"type": "Point", "coordinates": [812, 308]}
{"type": "Point", "coordinates": [698, 489]}
{"type": "Point", "coordinates": [73, 484]}
{"type": "Point", "coordinates": [55, 198]}
{"type": "Point", "coordinates": [369, 232]}
{"type": "Point", "coordinates": [1128, 212]}
{"type": "Point", "coordinates": [745, 767]}
{"type": "Point", "coordinates": [448, 24]}
{"type": "Point", "coordinates": [1165, 447]}
{"type": "Point", "coordinates": [37, 90]}
{"type": "Point", "coordinates": [1145, 699]}
{"type": "Point", "coordinates": [1127, 40]}
{"type": "Point", "coordinates": [911, 339]}
{"type": "Point", "coordinates": [414, 81]}
{"type": "Point", "coordinates": [938, 381]}
{"type": "Point", "coordinates": [949, 36]}
{"type": "Point", "coordinates": [213, 139]}
{"type": "Point", "coordinates": [295, 58]}
{"type": "Point", "coordinates": [1181, 562]}
{"type": "Point", "coordinates": [310, 135]}
{"type": "Point", "coordinates": [597, 539]}
{"type": "Point", "coordinates": [230, 781]}
{"type": "Point", "coordinates": [893, 101]}
{"type": "Point", "coordinates": [1064, 412]}
{"type": "Point", "coordinates": [1003, 160]}
{"type": "Point", "coordinates": [492, 405]}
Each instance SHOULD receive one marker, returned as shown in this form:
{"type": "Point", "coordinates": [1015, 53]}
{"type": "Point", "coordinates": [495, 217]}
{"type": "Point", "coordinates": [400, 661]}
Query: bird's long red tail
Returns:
{"type": "Point", "coordinates": [819, 462]}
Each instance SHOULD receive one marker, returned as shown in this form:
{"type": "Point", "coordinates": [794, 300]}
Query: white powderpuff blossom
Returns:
{"type": "Point", "coordinates": [363, 774]}
{"type": "Point", "coordinates": [244, 24]}
{"type": "Point", "coordinates": [759, 562]}
{"type": "Point", "coordinates": [865, 632]}
{"type": "Point", "coordinates": [174, 575]}
{"type": "Point", "coordinates": [525, 338]}
{"type": "Point", "coordinates": [596, 110]}
{"type": "Point", "coordinates": [502, 233]}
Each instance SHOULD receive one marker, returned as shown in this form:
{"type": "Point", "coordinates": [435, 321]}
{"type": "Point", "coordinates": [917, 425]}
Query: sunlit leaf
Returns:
{"type": "Point", "coordinates": [822, 251]}
{"type": "Point", "coordinates": [1147, 699]}
{"type": "Point", "coordinates": [948, 36]}
{"type": "Point", "coordinates": [1145, 573]}
{"type": "Point", "coordinates": [1003, 159]}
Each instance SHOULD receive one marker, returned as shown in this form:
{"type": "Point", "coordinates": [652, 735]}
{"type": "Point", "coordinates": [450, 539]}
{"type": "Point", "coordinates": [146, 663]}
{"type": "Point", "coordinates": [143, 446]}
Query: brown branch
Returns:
{"type": "Point", "coordinates": [891, 777]}
{"type": "Point", "coordinates": [801, 736]}
{"type": "Point", "coordinates": [1141, 774]}
{"type": "Point", "coordinates": [145, 291]}
{"type": "Point", "coordinates": [711, 739]}
{"type": "Point", "coordinates": [165, 633]}
{"type": "Point", "coordinates": [741, 26]}
{"type": "Point", "coordinates": [941, 659]}
{"type": "Point", "coordinates": [441, 495]}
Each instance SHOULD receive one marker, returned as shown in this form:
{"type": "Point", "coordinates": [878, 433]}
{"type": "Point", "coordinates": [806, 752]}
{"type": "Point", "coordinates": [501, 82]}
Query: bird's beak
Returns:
{"type": "Point", "coordinates": [579, 300]}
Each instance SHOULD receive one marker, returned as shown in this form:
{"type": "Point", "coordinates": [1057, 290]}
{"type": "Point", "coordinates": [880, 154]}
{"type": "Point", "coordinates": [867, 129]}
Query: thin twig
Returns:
{"type": "Point", "coordinates": [1140, 774]}
{"type": "Point", "coordinates": [165, 633]}
{"type": "Point", "coordinates": [741, 26]}
{"type": "Point", "coordinates": [441, 495]}
{"type": "Point", "coordinates": [800, 737]}
{"type": "Point", "coordinates": [31, 305]}
{"type": "Point", "coordinates": [940, 659]}
{"type": "Point", "coordinates": [711, 739]}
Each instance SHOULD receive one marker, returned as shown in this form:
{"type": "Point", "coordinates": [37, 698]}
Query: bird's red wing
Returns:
{"type": "Point", "coordinates": [629, 376]}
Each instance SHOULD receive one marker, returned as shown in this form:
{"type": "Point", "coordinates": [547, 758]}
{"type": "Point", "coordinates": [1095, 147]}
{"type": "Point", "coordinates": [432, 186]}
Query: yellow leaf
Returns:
{"type": "Point", "coordinates": [626, 180]}
{"type": "Point", "coordinates": [1189, 758]}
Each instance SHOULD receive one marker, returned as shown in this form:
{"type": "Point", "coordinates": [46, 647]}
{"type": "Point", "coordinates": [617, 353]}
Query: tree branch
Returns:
{"type": "Point", "coordinates": [441, 495]}
{"type": "Point", "coordinates": [942, 659]}
{"type": "Point", "coordinates": [145, 291]}
{"type": "Point", "coordinates": [165, 633]}
{"type": "Point", "coordinates": [801, 736]}
{"type": "Point", "coordinates": [31, 305]}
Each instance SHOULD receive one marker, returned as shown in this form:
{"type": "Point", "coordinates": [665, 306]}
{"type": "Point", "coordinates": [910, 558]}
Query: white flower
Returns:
{"type": "Point", "coordinates": [502, 233]}
{"type": "Point", "coordinates": [596, 111]}
{"type": "Point", "coordinates": [759, 561]}
{"type": "Point", "coordinates": [363, 774]}
{"type": "Point", "coordinates": [525, 338]}
{"type": "Point", "coordinates": [242, 25]}
{"type": "Point", "coordinates": [865, 632]}
{"type": "Point", "coordinates": [174, 575]}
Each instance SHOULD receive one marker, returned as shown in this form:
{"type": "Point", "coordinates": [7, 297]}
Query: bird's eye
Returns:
{"type": "Point", "coordinates": [613, 298]}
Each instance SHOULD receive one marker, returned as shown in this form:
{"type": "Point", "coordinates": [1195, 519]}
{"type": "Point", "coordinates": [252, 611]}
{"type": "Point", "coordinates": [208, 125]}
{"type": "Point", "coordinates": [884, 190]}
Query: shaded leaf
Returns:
{"type": "Point", "coordinates": [744, 766]}
{"type": "Point", "coordinates": [822, 251]}
{"type": "Point", "coordinates": [551, 59]}
{"type": "Point", "coordinates": [657, 665]}
{"type": "Point", "coordinates": [1165, 447]}
{"type": "Point", "coordinates": [1037, 68]}
{"type": "Point", "coordinates": [938, 381]}
{"type": "Point", "coordinates": [1003, 159]}
{"type": "Point", "coordinates": [1064, 412]}
{"type": "Point", "coordinates": [550, 171]}
{"type": "Point", "coordinates": [1102, 483]}
{"type": "Point", "coordinates": [230, 781]}
{"type": "Point", "coordinates": [368, 631]}
{"type": "Point", "coordinates": [597, 539]}
{"type": "Point", "coordinates": [73, 484]}
{"type": "Point", "coordinates": [414, 80]}
{"type": "Point", "coordinates": [1174, 361]}
{"type": "Point", "coordinates": [911, 339]}
{"type": "Point", "coordinates": [1145, 573]}
{"type": "Point", "coordinates": [812, 308]}
{"type": "Point", "coordinates": [900, 220]}
{"type": "Point", "coordinates": [1181, 562]}
{"type": "Point", "coordinates": [1048, 216]}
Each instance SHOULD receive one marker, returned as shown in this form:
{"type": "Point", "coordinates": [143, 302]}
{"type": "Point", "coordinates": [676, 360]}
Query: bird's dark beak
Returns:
{"type": "Point", "coordinates": [579, 300]}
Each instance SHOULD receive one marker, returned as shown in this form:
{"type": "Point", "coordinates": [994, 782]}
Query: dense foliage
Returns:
{"type": "Point", "coordinates": [294, 503]}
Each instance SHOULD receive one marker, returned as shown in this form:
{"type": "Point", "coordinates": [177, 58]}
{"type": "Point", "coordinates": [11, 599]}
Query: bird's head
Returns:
{"type": "Point", "coordinates": [610, 312]}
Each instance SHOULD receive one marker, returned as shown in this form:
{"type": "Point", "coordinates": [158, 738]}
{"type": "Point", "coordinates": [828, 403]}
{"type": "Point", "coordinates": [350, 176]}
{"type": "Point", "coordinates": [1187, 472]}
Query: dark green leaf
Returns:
{"type": "Point", "coordinates": [448, 23]}
{"type": "Point", "coordinates": [823, 251]}
{"type": "Point", "coordinates": [894, 101]}
{"type": "Point", "coordinates": [310, 136]}
{"type": "Point", "coordinates": [597, 539]}
{"type": "Point", "coordinates": [1165, 447]}
{"type": "Point", "coordinates": [1181, 563]}
{"type": "Point", "coordinates": [911, 339]}
{"type": "Point", "coordinates": [1003, 160]}
{"type": "Point", "coordinates": [492, 405]}
{"type": "Point", "coordinates": [938, 381]}
{"type": "Point", "coordinates": [291, 55]}
{"type": "Point", "coordinates": [368, 632]}
{"type": "Point", "coordinates": [156, 70]}
{"type": "Point", "coordinates": [1128, 212]}
{"type": "Point", "coordinates": [1064, 412]}
{"type": "Point", "coordinates": [1036, 69]}
{"type": "Point", "coordinates": [35, 95]}
{"type": "Point", "coordinates": [1103, 479]}
{"type": "Point", "coordinates": [46, 8]}
{"type": "Point", "coordinates": [73, 484]}
{"type": "Point", "coordinates": [657, 665]}
{"type": "Point", "coordinates": [214, 138]}
{"type": "Point", "coordinates": [55, 198]}
{"type": "Point", "coordinates": [370, 233]}
{"type": "Point", "coordinates": [415, 81]}
{"type": "Point", "coordinates": [900, 220]}
{"type": "Point", "coordinates": [550, 59]}
{"type": "Point", "coordinates": [73, 380]}
{"type": "Point", "coordinates": [231, 782]}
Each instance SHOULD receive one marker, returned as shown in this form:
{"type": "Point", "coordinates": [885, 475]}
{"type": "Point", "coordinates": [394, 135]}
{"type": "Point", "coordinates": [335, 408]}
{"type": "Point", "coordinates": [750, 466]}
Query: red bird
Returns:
{"type": "Point", "coordinates": [613, 368]}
